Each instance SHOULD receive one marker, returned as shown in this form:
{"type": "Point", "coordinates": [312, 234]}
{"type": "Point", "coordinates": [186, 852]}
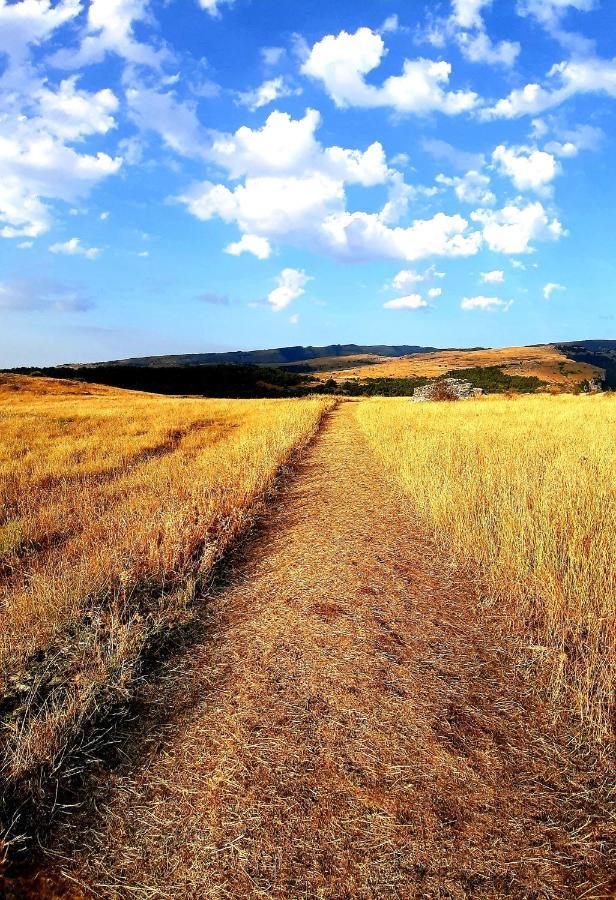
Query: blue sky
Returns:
{"type": "Point", "coordinates": [189, 175]}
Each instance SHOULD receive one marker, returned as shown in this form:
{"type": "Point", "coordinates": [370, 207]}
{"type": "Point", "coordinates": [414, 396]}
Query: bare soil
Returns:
{"type": "Point", "coordinates": [349, 725]}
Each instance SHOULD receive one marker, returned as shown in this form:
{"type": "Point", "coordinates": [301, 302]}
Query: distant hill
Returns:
{"type": "Point", "coordinates": [354, 370]}
{"type": "Point", "coordinates": [594, 353]}
{"type": "Point", "coordinates": [279, 356]}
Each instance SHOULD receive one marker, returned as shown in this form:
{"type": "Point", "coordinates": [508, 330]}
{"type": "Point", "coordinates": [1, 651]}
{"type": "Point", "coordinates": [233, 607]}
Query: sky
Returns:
{"type": "Point", "coordinates": [184, 176]}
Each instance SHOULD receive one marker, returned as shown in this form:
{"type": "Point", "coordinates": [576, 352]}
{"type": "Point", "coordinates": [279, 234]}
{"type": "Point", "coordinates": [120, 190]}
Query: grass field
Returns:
{"type": "Point", "coordinates": [523, 491]}
{"type": "Point", "coordinates": [546, 363]}
{"type": "Point", "coordinates": [114, 508]}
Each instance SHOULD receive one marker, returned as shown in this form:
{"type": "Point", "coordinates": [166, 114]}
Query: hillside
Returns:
{"type": "Point", "coordinates": [594, 353]}
{"type": "Point", "coordinates": [275, 357]}
{"type": "Point", "coordinates": [547, 363]}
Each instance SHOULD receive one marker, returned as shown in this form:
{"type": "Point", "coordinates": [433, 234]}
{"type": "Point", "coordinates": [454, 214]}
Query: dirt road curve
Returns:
{"type": "Point", "coordinates": [349, 728]}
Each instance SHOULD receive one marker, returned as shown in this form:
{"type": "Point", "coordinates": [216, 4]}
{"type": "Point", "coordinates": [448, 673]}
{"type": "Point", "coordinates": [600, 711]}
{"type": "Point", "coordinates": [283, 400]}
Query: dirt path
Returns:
{"type": "Point", "coordinates": [350, 728]}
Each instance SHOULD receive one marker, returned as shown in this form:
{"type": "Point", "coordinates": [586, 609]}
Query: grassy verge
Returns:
{"type": "Point", "coordinates": [115, 508]}
{"type": "Point", "coordinates": [524, 491]}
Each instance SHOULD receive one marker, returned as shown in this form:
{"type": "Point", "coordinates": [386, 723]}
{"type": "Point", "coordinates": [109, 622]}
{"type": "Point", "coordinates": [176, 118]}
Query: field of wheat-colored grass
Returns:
{"type": "Point", "coordinates": [114, 506]}
{"type": "Point", "coordinates": [523, 491]}
{"type": "Point", "coordinates": [546, 363]}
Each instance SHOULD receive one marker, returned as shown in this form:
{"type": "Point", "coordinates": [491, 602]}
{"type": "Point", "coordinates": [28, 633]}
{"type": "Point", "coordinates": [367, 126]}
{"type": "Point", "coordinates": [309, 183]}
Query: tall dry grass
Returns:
{"type": "Point", "coordinates": [524, 491]}
{"type": "Point", "coordinates": [114, 506]}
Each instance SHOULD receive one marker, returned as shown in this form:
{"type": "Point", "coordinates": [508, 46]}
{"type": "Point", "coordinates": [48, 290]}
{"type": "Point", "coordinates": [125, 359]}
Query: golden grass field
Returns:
{"type": "Point", "coordinates": [546, 363]}
{"type": "Point", "coordinates": [523, 491]}
{"type": "Point", "coordinates": [115, 506]}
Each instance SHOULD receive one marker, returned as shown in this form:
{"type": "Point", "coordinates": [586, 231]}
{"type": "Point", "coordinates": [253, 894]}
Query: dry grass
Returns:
{"type": "Point", "coordinates": [350, 725]}
{"type": "Point", "coordinates": [114, 508]}
{"type": "Point", "coordinates": [545, 363]}
{"type": "Point", "coordinates": [525, 491]}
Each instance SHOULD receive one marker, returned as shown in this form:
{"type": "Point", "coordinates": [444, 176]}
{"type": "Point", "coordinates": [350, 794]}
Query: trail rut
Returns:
{"type": "Point", "coordinates": [350, 727]}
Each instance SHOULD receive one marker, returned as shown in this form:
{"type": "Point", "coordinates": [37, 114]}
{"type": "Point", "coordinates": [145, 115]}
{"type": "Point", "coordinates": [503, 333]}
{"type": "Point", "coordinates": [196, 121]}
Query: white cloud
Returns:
{"type": "Point", "coordinates": [25, 245]}
{"type": "Point", "coordinates": [211, 6]}
{"type": "Point", "coordinates": [27, 22]}
{"type": "Point", "coordinates": [473, 188]}
{"type": "Point", "coordinates": [511, 229]}
{"type": "Point", "coordinates": [495, 277]}
{"type": "Point", "coordinates": [434, 292]}
{"type": "Point", "coordinates": [250, 243]}
{"type": "Point", "coordinates": [566, 79]}
{"type": "Point", "coordinates": [550, 12]}
{"type": "Point", "coordinates": [267, 93]}
{"type": "Point", "coordinates": [479, 48]}
{"type": "Point", "coordinates": [291, 284]}
{"type": "Point", "coordinates": [37, 163]}
{"type": "Point", "coordinates": [551, 288]}
{"type": "Point", "coordinates": [271, 56]}
{"type": "Point", "coordinates": [104, 216]}
{"type": "Point", "coordinates": [390, 25]}
{"type": "Point", "coordinates": [412, 301]}
{"type": "Point", "coordinates": [362, 236]}
{"type": "Point", "coordinates": [175, 121]}
{"type": "Point", "coordinates": [294, 319]}
{"type": "Point", "coordinates": [575, 140]}
{"type": "Point", "coordinates": [529, 169]}
{"type": "Point", "coordinates": [485, 303]}
{"type": "Point", "coordinates": [467, 13]}
{"type": "Point", "coordinates": [110, 30]}
{"type": "Point", "coordinates": [74, 247]}
{"type": "Point", "coordinates": [71, 114]}
{"type": "Point", "coordinates": [405, 280]}
{"type": "Point", "coordinates": [466, 25]}
{"type": "Point", "coordinates": [341, 62]}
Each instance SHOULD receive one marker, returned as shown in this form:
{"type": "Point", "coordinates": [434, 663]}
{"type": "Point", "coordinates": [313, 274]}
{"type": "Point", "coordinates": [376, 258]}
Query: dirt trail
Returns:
{"type": "Point", "coordinates": [350, 726]}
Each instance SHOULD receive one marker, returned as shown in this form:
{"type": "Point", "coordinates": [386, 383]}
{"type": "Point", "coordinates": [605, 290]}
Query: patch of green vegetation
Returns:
{"type": "Point", "coordinates": [493, 380]}
{"type": "Point", "coordinates": [381, 387]}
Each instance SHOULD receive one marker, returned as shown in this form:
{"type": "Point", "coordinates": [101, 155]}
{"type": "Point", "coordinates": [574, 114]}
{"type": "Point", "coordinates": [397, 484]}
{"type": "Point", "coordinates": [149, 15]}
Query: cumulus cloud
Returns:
{"type": "Point", "coordinates": [473, 188]}
{"type": "Point", "coordinates": [512, 229]}
{"type": "Point", "coordinates": [405, 280]}
{"type": "Point", "coordinates": [37, 162]}
{"type": "Point", "coordinates": [291, 284]}
{"type": "Point", "coordinates": [479, 48]}
{"type": "Point", "coordinates": [529, 169]}
{"type": "Point", "coordinates": [551, 288]}
{"type": "Point", "coordinates": [412, 301]}
{"type": "Point", "coordinates": [495, 277]}
{"type": "Point", "coordinates": [110, 30]}
{"type": "Point", "coordinates": [342, 62]}
{"type": "Point", "coordinates": [266, 93]}
{"type": "Point", "coordinates": [250, 243]}
{"type": "Point", "coordinates": [287, 146]}
{"type": "Point", "coordinates": [485, 303]}
{"type": "Point", "coordinates": [293, 190]}
{"type": "Point", "coordinates": [74, 247]}
{"type": "Point", "coordinates": [25, 23]}
{"type": "Point", "coordinates": [592, 75]}
{"type": "Point", "coordinates": [434, 292]}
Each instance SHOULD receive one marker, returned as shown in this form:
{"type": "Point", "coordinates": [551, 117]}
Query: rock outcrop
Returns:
{"type": "Point", "coordinates": [446, 389]}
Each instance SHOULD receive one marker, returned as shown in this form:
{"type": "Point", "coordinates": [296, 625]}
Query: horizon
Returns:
{"type": "Point", "coordinates": [227, 174]}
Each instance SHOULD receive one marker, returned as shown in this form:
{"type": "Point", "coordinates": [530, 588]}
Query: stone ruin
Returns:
{"type": "Point", "coordinates": [446, 389]}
